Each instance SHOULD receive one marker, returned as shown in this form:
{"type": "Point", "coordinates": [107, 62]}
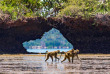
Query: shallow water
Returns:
{"type": "Point", "coordinates": [35, 64]}
{"type": "Point", "coordinates": [44, 50]}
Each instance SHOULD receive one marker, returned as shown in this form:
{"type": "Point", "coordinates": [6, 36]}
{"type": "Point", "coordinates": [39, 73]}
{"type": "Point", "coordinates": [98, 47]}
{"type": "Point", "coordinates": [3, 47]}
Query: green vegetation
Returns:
{"type": "Point", "coordinates": [50, 39]}
{"type": "Point", "coordinates": [45, 8]}
{"type": "Point", "coordinates": [85, 8]}
{"type": "Point", "coordinates": [28, 8]}
{"type": "Point", "coordinates": [19, 8]}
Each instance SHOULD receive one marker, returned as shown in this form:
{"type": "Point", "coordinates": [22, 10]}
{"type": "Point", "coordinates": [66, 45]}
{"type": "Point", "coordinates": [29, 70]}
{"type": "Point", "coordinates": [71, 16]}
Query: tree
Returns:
{"type": "Point", "coordinates": [84, 8]}
{"type": "Point", "coordinates": [50, 8]}
{"type": "Point", "coordinates": [30, 8]}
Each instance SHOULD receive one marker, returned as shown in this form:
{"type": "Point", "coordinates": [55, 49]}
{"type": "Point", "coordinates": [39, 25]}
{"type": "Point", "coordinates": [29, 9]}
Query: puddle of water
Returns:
{"type": "Point", "coordinates": [37, 64]}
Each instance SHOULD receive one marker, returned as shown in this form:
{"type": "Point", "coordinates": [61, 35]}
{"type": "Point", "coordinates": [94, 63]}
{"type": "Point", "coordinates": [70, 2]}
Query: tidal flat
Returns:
{"type": "Point", "coordinates": [35, 64]}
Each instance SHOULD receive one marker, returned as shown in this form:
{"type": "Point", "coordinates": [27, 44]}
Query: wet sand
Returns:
{"type": "Point", "coordinates": [35, 64]}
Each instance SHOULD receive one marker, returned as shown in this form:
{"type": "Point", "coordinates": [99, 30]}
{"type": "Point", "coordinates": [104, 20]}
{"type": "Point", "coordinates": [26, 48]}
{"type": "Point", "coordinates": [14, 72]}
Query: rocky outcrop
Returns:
{"type": "Point", "coordinates": [89, 36]}
{"type": "Point", "coordinates": [14, 33]}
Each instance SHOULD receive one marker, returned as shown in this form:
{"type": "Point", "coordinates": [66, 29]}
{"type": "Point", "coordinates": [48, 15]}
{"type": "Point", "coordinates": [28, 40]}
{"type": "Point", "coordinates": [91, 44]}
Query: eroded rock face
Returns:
{"type": "Point", "coordinates": [14, 33]}
{"type": "Point", "coordinates": [85, 35]}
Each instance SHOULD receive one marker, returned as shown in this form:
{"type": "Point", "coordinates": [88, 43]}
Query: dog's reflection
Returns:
{"type": "Point", "coordinates": [63, 67]}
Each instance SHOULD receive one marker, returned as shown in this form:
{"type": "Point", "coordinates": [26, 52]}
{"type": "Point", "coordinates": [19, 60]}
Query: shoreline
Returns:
{"type": "Point", "coordinates": [80, 55]}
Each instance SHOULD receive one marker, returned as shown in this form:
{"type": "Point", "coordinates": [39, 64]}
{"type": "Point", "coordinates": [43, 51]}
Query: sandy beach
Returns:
{"type": "Point", "coordinates": [35, 64]}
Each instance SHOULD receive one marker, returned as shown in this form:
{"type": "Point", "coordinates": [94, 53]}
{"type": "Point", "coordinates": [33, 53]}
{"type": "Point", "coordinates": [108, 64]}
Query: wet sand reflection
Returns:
{"type": "Point", "coordinates": [36, 64]}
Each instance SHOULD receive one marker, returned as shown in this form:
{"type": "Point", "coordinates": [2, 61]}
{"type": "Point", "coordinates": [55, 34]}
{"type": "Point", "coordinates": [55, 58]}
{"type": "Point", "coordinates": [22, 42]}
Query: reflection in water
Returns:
{"type": "Point", "coordinates": [36, 64]}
